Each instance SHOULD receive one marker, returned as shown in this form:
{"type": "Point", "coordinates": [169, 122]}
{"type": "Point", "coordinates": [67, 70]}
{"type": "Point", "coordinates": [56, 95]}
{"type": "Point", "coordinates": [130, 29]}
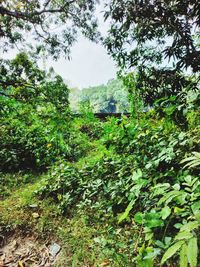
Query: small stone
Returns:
{"type": "Point", "coordinates": [35, 215]}
{"type": "Point", "coordinates": [33, 206]}
{"type": "Point", "coordinates": [54, 249]}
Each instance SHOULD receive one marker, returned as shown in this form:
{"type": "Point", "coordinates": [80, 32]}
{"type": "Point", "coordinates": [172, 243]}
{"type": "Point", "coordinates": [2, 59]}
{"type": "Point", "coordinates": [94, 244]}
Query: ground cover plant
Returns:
{"type": "Point", "coordinates": [143, 185]}
{"type": "Point", "coordinates": [131, 182]}
{"type": "Point", "coordinates": [117, 192]}
{"type": "Point", "coordinates": [133, 178]}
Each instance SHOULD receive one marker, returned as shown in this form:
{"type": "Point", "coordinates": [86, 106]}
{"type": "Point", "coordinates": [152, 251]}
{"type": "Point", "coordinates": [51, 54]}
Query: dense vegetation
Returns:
{"type": "Point", "coordinates": [120, 192]}
{"type": "Point", "coordinates": [111, 97]}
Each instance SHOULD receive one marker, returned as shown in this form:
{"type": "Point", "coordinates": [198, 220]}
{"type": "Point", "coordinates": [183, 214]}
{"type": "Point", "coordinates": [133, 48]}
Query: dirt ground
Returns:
{"type": "Point", "coordinates": [18, 250]}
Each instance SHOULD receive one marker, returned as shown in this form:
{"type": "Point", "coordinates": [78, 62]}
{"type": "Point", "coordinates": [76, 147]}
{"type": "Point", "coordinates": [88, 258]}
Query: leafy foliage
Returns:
{"type": "Point", "coordinates": [34, 108]}
{"type": "Point", "coordinates": [112, 97]}
{"type": "Point", "coordinates": [143, 182]}
{"type": "Point", "coordinates": [158, 40]}
{"type": "Point", "coordinates": [193, 161]}
{"type": "Point", "coordinates": [53, 24]}
{"type": "Point", "coordinates": [137, 176]}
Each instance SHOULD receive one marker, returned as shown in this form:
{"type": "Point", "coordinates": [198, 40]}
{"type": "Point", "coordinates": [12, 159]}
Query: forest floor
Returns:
{"type": "Point", "coordinates": [24, 249]}
{"type": "Point", "coordinates": [29, 226]}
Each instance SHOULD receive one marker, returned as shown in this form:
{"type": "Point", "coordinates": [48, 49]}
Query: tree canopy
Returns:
{"type": "Point", "coordinates": [146, 32]}
{"type": "Point", "coordinates": [110, 97]}
{"type": "Point", "coordinates": [22, 79]}
{"type": "Point", "coordinates": [159, 39]}
{"type": "Point", "coordinates": [49, 24]}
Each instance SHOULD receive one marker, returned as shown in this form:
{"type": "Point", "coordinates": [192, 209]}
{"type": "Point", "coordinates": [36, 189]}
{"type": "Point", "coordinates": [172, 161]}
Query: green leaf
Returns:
{"type": "Point", "coordinates": [197, 217]}
{"type": "Point", "coordinates": [196, 207]}
{"type": "Point", "coordinates": [160, 189]}
{"type": "Point", "coordinates": [137, 174]}
{"type": "Point", "coordinates": [192, 161]}
{"type": "Point", "coordinates": [190, 226]}
{"type": "Point", "coordinates": [178, 210]}
{"type": "Point", "coordinates": [171, 251]}
{"type": "Point", "coordinates": [125, 214]}
{"type": "Point", "coordinates": [183, 235]}
{"type": "Point", "coordinates": [183, 256]}
{"type": "Point", "coordinates": [138, 217]}
{"type": "Point", "coordinates": [192, 252]}
{"type": "Point", "coordinates": [167, 198]}
{"type": "Point", "coordinates": [165, 212]}
{"type": "Point", "coordinates": [152, 220]}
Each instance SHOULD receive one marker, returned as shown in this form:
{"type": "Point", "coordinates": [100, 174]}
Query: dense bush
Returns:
{"type": "Point", "coordinates": [34, 116]}
{"type": "Point", "coordinates": [145, 178]}
{"type": "Point", "coordinates": [29, 138]}
{"type": "Point", "coordinates": [144, 182]}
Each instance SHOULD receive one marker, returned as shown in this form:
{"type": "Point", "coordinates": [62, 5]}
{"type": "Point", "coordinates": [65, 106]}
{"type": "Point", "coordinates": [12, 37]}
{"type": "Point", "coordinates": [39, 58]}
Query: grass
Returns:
{"type": "Point", "coordinates": [86, 240]}
{"type": "Point", "coordinates": [97, 152]}
{"type": "Point", "coordinates": [75, 234]}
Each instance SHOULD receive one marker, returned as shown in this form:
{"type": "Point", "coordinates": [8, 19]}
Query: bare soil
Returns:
{"type": "Point", "coordinates": [19, 250]}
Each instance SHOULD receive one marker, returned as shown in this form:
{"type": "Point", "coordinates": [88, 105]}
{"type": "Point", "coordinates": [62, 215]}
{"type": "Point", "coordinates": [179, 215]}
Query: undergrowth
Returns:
{"type": "Point", "coordinates": [129, 198]}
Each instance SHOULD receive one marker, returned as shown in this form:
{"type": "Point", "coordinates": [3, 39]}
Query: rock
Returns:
{"type": "Point", "coordinates": [35, 215]}
{"type": "Point", "coordinates": [54, 249]}
{"type": "Point", "coordinates": [33, 206]}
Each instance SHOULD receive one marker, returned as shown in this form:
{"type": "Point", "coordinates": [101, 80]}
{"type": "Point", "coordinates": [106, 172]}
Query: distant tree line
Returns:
{"type": "Point", "coordinates": [110, 97]}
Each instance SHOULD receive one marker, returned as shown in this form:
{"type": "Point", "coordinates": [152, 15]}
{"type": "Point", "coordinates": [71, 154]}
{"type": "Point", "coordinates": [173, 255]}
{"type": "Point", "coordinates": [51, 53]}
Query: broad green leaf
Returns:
{"type": "Point", "coordinates": [167, 198]}
{"type": "Point", "coordinates": [178, 210]}
{"type": "Point", "coordinates": [127, 211]}
{"type": "Point", "coordinates": [152, 254]}
{"type": "Point", "coordinates": [176, 187]}
{"type": "Point", "coordinates": [148, 233]}
{"type": "Point", "coordinates": [183, 256]}
{"type": "Point", "coordinates": [171, 251]}
{"type": "Point", "coordinates": [190, 226]}
{"type": "Point", "coordinates": [165, 212]}
{"type": "Point", "coordinates": [152, 220]}
{"type": "Point", "coordinates": [160, 244]}
{"type": "Point", "coordinates": [178, 225]}
{"type": "Point", "coordinates": [197, 217]}
{"type": "Point", "coordinates": [192, 161]}
{"type": "Point", "coordinates": [137, 174]}
{"type": "Point", "coordinates": [160, 189]}
{"type": "Point", "coordinates": [183, 235]}
{"type": "Point", "coordinates": [196, 207]}
{"type": "Point", "coordinates": [192, 252]}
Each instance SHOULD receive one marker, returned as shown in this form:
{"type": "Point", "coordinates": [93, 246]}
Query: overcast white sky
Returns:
{"type": "Point", "coordinates": [90, 65]}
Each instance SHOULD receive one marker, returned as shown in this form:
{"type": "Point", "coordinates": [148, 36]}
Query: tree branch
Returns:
{"type": "Point", "coordinates": [22, 15]}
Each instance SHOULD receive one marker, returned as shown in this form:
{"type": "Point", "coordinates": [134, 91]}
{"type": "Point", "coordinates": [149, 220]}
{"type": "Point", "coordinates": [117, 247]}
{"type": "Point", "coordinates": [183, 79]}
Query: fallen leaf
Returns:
{"type": "Point", "coordinates": [20, 264]}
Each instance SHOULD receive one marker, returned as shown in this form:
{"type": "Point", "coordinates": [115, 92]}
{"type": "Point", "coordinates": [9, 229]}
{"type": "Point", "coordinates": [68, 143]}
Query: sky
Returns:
{"type": "Point", "coordinates": [89, 65]}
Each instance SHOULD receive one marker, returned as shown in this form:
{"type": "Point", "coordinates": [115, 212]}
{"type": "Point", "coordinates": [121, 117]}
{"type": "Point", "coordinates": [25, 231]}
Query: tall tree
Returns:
{"type": "Point", "coordinates": [22, 79]}
{"type": "Point", "coordinates": [159, 38]}
{"type": "Point", "coordinates": [49, 24]}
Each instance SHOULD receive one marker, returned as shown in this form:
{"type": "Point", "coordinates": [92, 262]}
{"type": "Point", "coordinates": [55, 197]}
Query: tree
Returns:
{"type": "Point", "coordinates": [110, 97]}
{"type": "Point", "coordinates": [23, 80]}
{"type": "Point", "coordinates": [49, 24]}
{"type": "Point", "coordinates": [19, 72]}
{"type": "Point", "coordinates": [160, 39]}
